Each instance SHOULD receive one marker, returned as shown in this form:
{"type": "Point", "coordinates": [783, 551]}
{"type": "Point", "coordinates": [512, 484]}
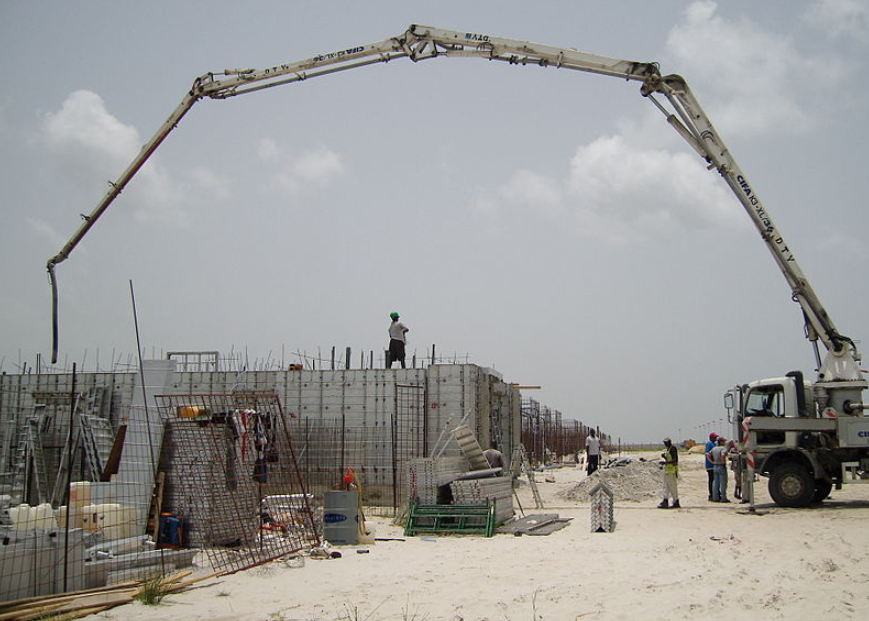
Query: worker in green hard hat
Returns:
{"type": "Point", "coordinates": [397, 341]}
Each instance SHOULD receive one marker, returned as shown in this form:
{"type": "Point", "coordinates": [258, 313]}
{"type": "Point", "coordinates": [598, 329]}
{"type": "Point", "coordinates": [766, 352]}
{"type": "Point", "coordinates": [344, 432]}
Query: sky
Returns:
{"type": "Point", "coordinates": [544, 223]}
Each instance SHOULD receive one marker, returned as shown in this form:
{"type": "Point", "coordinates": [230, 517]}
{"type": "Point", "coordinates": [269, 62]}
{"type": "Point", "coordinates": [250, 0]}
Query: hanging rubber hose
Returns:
{"type": "Point", "coordinates": [54, 327]}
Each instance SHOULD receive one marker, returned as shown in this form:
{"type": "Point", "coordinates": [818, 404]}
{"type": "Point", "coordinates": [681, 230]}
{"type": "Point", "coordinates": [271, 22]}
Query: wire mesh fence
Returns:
{"type": "Point", "coordinates": [74, 519]}
{"type": "Point", "coordinates": [107, 478]}
{"type": "Point", "coordinates": [90, 501]}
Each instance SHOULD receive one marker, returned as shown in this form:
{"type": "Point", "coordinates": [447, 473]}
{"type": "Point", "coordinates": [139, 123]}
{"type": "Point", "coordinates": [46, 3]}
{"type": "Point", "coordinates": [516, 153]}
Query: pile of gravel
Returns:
{"type": "Point", "coordinates": [629, 480]}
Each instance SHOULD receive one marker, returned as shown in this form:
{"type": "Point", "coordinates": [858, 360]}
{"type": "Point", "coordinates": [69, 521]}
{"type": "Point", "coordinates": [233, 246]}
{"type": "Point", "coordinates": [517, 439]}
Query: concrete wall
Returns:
{"type": "Point", "coordinates": [402, 413]}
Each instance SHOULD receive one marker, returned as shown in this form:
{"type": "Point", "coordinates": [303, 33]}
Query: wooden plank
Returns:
{"type": "Point", "coordinates": [114, 461]}
{"type": "Point", "coordinates": [97, 600]}
{"type": "Point", "coordinates": [40, 600]}
{"type": "Point", "coordinates": [152, 526]}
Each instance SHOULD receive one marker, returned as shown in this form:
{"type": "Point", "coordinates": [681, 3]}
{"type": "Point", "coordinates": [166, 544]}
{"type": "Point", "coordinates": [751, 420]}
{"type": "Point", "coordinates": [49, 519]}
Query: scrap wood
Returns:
{"type": "Point", "coordinates": [89, 601]}
{"type": "Point", "coordinates": [34, 611]}
{"type": "Point", "coordinates": [39, 600]}
{"type": "Point", "coordinates": [85, 606]}
{"type": "Point", "coordinates": [50, 605]}
{"type": "Point", "coordinates": [74, 614]}
{"type": "Point", "coordinates": [186, 583]}
{"type": "Point", "coordinates": [176, 577]}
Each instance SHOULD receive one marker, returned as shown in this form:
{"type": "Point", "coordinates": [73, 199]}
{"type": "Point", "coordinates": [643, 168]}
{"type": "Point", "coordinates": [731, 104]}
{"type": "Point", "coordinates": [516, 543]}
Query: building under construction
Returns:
{"type": "Point", "coordinates": [182, 455]}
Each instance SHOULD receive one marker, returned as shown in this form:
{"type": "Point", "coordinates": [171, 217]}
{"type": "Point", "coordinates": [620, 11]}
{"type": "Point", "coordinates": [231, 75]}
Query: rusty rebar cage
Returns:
{"type": "Point", "coordinates": [233, 482]}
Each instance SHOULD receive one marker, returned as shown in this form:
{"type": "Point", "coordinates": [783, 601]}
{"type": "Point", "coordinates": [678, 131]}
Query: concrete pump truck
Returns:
{"type": "Point", "coordinates": [807, 437]}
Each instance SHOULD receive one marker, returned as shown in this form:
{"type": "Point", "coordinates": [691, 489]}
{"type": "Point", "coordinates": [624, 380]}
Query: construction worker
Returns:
{"type": "Point", "coordinates": [397, 341]}
{"type": "Point", "coordinates": [494, 456]}
{"type": "Point", "coordinates": [592, 451]}
{"type": "Point", "coordinates": [710, 471]}
{"type": "Point", "coordinates": [670, 462]}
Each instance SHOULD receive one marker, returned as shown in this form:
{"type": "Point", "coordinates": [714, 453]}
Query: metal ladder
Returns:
{"type": "Point", "coordinates": [40, 478]}
{"type": "Point", "coordinates": [58, 495]}
{"type": "Point", "coordinates": [73, 438]}
{"type": "Point", "coordinates": [29, 452]}
{"type": "Point", "coordinates": [470, 448]}
{"type": "Point", "coordinates": [521, 458]}
{"type": "Point", "coordinates": [96, 439]}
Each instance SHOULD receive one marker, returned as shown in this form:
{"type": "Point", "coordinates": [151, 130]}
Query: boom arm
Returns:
{"type": "Point", "coordinates": [841, 362]}
{"type": "Point", "coordinates": [423, 42]}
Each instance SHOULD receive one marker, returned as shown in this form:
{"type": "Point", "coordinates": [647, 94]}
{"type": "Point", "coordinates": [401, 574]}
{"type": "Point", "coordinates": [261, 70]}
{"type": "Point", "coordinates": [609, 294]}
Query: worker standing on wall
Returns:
{"type": "Point", "coordinates": [397, 341]}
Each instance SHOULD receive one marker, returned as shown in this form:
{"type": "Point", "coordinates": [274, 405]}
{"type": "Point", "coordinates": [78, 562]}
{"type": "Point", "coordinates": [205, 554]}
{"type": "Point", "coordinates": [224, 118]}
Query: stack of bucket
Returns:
{"type": "Point", "coordinates": [26, 518]}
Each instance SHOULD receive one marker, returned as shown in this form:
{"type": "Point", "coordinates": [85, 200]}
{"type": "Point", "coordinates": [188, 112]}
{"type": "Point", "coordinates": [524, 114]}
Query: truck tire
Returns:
{"type": "Point", "coordinates": [822, 490]}
{"type": "Point", "coordinates": [792, 485]}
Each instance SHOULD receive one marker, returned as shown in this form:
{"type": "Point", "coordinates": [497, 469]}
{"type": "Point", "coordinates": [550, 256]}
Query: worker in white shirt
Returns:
{"type": "Point", "coordinates": [592, 451]}
{"type": "Point", "coordinates": [397, 341]}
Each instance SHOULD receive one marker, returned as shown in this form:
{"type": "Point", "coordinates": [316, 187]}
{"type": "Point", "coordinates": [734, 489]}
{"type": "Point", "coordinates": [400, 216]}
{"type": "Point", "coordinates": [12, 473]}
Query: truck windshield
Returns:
{"type": "Point", "coordinates": [765, 401]}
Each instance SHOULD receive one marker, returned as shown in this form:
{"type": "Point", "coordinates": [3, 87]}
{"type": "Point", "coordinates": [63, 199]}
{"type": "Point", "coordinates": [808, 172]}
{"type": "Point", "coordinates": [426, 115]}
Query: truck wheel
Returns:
{"type": "Point", "coordinates": [791, 485]}
{"type": "Point", "coordinates": [822, 490]}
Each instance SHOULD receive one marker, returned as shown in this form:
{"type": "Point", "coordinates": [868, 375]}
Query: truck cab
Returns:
{"type": "Point", "coordinates": [785, 434]}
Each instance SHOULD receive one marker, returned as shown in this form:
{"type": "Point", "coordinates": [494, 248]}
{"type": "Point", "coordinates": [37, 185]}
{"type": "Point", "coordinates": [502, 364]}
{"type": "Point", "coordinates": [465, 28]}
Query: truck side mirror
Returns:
{"type": "Point", "coordinates": [728, 405]}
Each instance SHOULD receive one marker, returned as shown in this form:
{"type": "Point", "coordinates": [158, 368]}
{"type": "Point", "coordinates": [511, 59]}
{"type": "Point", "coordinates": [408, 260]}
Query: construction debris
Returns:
{"type": "Point", "coordinates": [629, 480]}
{"type": "Point", "coordinates": [77, 604]}
{"type": "Point", "coordinates": [602, 508]}
{"type": "Point", "coordinates": [498, 490]}
{"type": "Point", "coordinates": [536, 525]}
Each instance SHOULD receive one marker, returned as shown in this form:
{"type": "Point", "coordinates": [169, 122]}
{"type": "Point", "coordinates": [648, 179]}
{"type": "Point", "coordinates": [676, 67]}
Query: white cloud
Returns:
{"type": "Point", "coordinates": [534, 190]}
{"type": "Point", "coordinates": [87, 141]}
{"type": "Point", "coordinates": [267, 150]}
{"type": "Point", "coordinates": [615, 183]}
{"type": "Point", "coordinates": [836, 239]}
{"type": "Point", "coordinates": [317, 167]}
{"type": "Point", "coordinates": [208, 184]}
{"type": "Point", "coordinates": [91, 146]}
{"type": "Point", "coordinates": [628, 186]}
{"type": "Point", "coordinates": [300, 173]}
{"type": "Point", "coordinates": [751, 78]}
{"type": "Point", "coordinates": [840, 18]}
{"type": "Point", "coordinates": [617, 192]}
{"type": "Point", "coordinates": [44, 230]}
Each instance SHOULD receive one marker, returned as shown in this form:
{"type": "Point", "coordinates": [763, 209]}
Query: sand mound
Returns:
{"type": "Point", "coordinates": [630, 480]}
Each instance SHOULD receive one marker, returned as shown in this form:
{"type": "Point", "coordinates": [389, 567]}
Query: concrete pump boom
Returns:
{"type": "Point", "coordinates": [423, 42]}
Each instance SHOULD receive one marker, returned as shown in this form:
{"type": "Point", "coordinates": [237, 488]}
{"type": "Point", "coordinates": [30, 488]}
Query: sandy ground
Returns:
{"type": "Point", "coordinates": [704, 561]}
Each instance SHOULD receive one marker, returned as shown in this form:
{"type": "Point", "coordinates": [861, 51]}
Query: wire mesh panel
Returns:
{"type": "Point", "coordinates": [408, 435]}
{"type": "Point", "coordinates": [325, 449]}
{"type": "Point", "coordinates": [233, 484]}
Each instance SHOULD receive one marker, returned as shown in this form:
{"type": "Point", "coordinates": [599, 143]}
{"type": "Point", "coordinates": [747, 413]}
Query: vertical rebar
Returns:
{"type": "Point", "coordinates": [72, 404]}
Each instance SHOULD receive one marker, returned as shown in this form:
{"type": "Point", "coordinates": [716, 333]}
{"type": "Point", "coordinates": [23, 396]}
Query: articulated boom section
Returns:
{"type": "Point", "coordinates": [841, 363]}
{"type": "Point", "coordinates": [419, 43]}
